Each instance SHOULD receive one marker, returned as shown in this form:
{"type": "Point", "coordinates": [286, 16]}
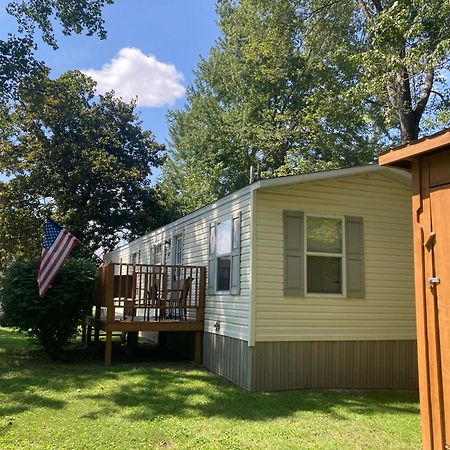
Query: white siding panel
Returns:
{"type": "Point", "coordinates": [231, 311]}
{"type": "Point", "coordinates": [387, 311]}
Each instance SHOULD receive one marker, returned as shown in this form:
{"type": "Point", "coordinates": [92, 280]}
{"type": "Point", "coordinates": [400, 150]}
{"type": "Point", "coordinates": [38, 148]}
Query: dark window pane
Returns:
{"type": "Point", "coordinates": [223, 274]}
{"type": "Point", "coordinates": [324, 275]}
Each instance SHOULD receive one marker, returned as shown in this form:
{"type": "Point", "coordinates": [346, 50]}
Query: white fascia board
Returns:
{"type": "Point", "coordinates": [317, 176]}
{"type": "Point", "coordinates": [182, 220]}
{"type": "Point", "coordinates": [399, 175]}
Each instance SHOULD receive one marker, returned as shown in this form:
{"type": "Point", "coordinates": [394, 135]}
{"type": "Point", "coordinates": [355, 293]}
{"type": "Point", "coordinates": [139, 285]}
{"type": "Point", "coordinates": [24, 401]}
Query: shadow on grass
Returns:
{"type": "Point", "coordinates": [157, 386]}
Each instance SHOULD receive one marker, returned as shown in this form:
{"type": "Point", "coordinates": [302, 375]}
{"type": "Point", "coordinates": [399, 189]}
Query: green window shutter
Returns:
{"type": "Point", "coordinates": [294, 261]}
{"type": "Point", "coordinates": [235, 286]}
{"type": "Point", "coordinates": [212, 258]}
{"type": "Point", "coordinates": [354, 239]}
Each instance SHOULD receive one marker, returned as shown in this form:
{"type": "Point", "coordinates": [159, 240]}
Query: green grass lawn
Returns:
{"type": "Point", "coordinates": [157, 403]}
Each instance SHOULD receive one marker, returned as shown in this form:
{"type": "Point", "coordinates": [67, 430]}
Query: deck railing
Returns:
{"type": "Point", "coordinates": [150, 292]}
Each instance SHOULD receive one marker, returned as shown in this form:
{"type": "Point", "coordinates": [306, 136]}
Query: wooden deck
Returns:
{"type": "Point", "coordinates": [142, 297]}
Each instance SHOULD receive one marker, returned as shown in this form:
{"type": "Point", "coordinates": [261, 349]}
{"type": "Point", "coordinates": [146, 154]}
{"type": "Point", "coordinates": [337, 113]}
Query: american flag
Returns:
{"type": "Point", "coordinates": [56, 248]}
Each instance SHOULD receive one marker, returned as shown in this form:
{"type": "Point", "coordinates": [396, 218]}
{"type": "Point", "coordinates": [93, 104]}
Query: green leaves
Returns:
{"type": "Point", "coordinates": [400, 48]}
{"type": "Point", "coordinates": [301, 85]}
{"type": "Point", "coordinates": [267, 95]}
{"type": "Point", "coordinates": [17, 52]}
{"type": "Point", "coordinates": [87, 162]}
{"type": "Point", "coordinates": [53, 320]}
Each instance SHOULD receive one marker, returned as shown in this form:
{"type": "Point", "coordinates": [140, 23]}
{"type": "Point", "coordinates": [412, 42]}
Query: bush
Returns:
{"type": "Point", "coordinates": [54, 318]}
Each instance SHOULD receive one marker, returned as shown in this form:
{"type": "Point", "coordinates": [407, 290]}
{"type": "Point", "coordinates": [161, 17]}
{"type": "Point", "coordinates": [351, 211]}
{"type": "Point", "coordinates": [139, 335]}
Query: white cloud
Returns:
{"type": "Point", "coordinates": [131, 73]}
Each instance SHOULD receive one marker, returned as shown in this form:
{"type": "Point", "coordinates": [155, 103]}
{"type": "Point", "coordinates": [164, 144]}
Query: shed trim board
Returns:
{"type": "Point", "coordinates": [261, 315]}
{"type": "Point", "coordinates": [429, 161]}
{"type": "Point", "coordinates": [415, 149]}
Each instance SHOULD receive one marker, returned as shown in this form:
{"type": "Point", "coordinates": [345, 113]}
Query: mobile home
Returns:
{"type": "Point", "coordinates": [309, 279]}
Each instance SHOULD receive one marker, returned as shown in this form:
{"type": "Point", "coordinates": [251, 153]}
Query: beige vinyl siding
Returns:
{"type": "Point", "coordinates": [387, 311]}
{"type": "Point", "coordinates": [232, 311]}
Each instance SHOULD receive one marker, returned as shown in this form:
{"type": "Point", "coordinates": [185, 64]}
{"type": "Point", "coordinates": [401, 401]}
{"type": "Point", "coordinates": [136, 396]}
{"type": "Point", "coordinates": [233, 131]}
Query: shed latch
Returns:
{"type": "Point", "coordinates": [434, 281]}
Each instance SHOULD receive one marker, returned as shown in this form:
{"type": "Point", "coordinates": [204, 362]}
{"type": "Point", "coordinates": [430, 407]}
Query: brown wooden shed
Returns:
{"type": "Point", "coordinates": [429, 161]}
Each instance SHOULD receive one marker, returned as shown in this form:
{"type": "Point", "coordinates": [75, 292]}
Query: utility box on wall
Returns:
{"type": "Point", "coordinates": [429, 161]}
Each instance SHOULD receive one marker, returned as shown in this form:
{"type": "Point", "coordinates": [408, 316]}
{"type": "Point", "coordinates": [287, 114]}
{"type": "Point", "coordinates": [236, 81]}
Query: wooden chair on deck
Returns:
{"type": "Point", "coordinates": [177, 298]}
{"type": "Point", "coordinates": [123, 293]}
{"type": "Point", "coordinates": [152, 301]}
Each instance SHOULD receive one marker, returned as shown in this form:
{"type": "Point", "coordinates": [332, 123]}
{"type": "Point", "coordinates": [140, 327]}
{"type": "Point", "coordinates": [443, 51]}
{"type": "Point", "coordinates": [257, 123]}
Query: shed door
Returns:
{"type": "Point", "coordinates": [440, 214]}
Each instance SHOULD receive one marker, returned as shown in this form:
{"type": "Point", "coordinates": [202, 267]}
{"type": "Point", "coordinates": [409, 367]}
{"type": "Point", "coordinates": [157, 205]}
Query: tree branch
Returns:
{"type": "Point", "coordinates": [425, 95]}
{"type": "Point", "coordinates": [365, 9]}
{"type": "Point", "coordinates": [445, 101]}
{"type": "Point", "coordinates": [321, 8]}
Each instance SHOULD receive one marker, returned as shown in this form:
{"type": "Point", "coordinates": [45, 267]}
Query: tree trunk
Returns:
{"type": "Point", "coordinates": [409, 126]}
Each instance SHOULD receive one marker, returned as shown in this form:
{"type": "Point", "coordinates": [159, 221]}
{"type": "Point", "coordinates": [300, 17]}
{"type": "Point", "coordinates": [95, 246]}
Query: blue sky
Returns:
{"type": "Point", "coordinates": [152, 48]}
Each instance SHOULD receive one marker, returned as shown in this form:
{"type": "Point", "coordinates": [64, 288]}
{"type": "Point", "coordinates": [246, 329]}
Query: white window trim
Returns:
{"type": "Point", "coordinates": [175, 236]}
{"type": "Point", "coordinates": [153, 253]}
{"type": "Point", "coordinates": [340, 255]}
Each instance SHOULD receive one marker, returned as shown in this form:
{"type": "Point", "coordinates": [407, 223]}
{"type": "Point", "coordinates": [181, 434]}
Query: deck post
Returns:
{"type": "Point", "coordinates": [83, 332]}
{"type": "Point", "coordinates": [198, 347]}
{"type": "Point", "coordinates": [108, 348]}
{"type": "Point", "coordinates": [88, 333]}
{"type": "Point", "coordinates": [110, 311]}
{"type": "Point", "coordinates": [96, 335]}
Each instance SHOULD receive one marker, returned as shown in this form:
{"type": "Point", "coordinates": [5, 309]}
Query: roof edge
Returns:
{"type": "Point", "coordinates": [318, 176]}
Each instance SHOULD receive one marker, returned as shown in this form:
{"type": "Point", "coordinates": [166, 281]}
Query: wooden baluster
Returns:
{"type": "Point", "coordinates": [147, 295]}
{"type": "Point", "coordinates": [197, 273]}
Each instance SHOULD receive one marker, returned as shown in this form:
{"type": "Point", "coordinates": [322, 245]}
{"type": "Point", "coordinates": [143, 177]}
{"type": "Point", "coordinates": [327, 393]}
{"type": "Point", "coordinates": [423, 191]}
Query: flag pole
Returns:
{"type": "Point", "coordinates": [91, 252]}
{"type": "Point", "coordinates": [81, 244]}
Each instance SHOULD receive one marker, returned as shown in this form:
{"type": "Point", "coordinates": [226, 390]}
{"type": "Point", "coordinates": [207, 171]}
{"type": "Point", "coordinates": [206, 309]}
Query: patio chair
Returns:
{"type": "Point", "coordinates": [177, 298]}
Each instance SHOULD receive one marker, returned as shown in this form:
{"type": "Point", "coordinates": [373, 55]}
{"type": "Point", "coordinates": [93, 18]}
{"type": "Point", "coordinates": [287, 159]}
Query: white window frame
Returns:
{"type": "Point", "coordinates": [135, 257]}
{"type": "Point", "coordinates": [177, 238]}
{"type": "Point", "coordinates": [153, 253]}
{"type": "Point", "coordinates": [334, 255]}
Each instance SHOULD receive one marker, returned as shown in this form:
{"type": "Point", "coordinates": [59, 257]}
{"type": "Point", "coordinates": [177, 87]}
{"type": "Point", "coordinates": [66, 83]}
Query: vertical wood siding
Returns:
{"type": "Point", "coordinates": [229, 357]}
{"type": "Point", "coordinates": [231, 311]}
{"type": "Point", "coordinates": [387, 310]}
{"type": "Point", "coordinates": [334, 364]}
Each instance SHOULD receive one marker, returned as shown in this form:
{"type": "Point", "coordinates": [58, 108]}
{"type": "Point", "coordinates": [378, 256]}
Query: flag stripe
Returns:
{"type": "Point", "coordinates": [51, 275]}
{"type": "Point", "coordinates": [45, 283]}
{"type": "Point", "coordinates": [56, 248]}
{"type": "Point", "coordinates": [54, 262]}
{"type": "Point", "coordinates": [58, 263]}
{"type": "Point", "coordinates": [53, 254]}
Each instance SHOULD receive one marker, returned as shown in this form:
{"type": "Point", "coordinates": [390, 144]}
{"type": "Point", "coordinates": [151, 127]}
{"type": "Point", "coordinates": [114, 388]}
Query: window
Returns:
{"type": "Point", "coordinates": [224, 256]}
{"type": "Point", "coordinates": [156, 254]}
{"type": "Point", "coordinates": [135, 257]}
{"type": "Point", "coordinates": [324, 255]}
{"type": "Point", "coordinates": [178, 250]}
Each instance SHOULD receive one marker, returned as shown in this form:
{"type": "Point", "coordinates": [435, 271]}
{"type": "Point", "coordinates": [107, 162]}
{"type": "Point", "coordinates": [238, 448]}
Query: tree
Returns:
{"type": "Point", "coordinates": [261, 97]}
{"type": "Point", "coordinates": [17, 58]}
{"type": "Point", "coordinates": [53, 319]}
{"type": "Point", "coordinates": [401, 48]}
{"type": "Point", "coordinates": [85, 161]}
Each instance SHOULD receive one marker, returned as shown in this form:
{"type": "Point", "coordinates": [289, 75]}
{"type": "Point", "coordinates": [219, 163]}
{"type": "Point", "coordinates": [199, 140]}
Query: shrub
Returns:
{"type": "Point", "coordinates": [54, 318]}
